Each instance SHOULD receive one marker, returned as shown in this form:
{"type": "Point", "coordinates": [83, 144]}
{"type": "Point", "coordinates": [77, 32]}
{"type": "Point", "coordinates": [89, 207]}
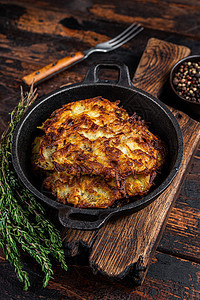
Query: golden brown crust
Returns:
{"type": "Point", "coordinates": [96, 154]}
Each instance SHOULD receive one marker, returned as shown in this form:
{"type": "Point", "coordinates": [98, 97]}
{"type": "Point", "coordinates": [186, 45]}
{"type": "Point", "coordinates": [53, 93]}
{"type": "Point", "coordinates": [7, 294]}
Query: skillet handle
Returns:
{"type": "Point", "coordinates": [81, 219]}
{"type": "Point", "coordinates": [123, 73]}
{"type": "Point", "coordinates": [156, 63]}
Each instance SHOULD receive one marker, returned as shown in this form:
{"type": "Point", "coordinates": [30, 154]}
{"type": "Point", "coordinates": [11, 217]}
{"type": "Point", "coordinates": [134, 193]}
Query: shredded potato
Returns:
{"type": "Point", "coordinates": [92, 153]}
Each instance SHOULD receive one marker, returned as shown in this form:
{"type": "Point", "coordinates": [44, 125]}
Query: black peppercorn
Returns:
{"type": "Point", "coordinates": [186, 81]}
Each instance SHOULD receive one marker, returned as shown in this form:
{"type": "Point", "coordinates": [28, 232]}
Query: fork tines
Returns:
{"type": "Point", "coordinates": [126, 35]}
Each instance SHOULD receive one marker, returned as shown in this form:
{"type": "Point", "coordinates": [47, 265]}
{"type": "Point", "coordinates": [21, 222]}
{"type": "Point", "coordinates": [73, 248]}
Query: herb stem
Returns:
{"type": "Point", "coordinates": [23, 221]}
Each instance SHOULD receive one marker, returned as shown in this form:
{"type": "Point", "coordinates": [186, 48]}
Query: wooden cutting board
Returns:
{"type": "Point", "coordinates": [124, 246]}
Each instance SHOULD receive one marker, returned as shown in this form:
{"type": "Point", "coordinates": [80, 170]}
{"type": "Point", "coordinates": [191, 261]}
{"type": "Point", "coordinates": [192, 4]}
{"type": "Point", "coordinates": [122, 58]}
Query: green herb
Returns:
{"type": "Point", "coordinates": [23, 222]}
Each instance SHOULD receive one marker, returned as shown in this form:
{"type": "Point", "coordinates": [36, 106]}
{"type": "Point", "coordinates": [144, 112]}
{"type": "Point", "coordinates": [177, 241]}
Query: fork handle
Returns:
{"type": "Point", "coordinates": [53, 68]}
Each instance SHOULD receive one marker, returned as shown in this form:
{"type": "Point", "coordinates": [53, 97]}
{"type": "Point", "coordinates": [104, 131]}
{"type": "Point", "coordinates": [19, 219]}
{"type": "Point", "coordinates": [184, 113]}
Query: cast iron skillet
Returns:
{"type": "Point", "coordinates": [161, 122]}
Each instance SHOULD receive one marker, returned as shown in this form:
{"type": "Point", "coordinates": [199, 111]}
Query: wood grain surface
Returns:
{"type": "Point", "coordinates": [156, 63]}
{"type": "Point", "coordinates": [35, 33]}
{"type": "Point", "coordinates": [128, 242]}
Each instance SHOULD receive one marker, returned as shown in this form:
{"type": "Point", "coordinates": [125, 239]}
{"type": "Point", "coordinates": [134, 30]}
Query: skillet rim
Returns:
{"type": "Point", "coordinates": [136, 205]}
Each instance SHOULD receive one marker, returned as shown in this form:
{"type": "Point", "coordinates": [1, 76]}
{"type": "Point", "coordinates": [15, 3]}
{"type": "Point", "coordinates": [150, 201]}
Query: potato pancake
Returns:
{"type": "Point", "coordinates": [92, 154]}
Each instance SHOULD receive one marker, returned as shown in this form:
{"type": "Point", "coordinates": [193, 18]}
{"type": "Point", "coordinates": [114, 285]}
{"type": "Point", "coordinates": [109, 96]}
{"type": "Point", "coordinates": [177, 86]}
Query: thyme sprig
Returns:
{"type": "Point", "coordinates": [23, 222]}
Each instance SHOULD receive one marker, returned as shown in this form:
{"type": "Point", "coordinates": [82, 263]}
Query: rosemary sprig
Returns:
{"type": "Point", "coordinates": [23, 222]}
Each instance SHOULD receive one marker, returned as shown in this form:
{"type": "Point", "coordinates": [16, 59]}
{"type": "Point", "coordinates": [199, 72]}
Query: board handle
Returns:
{"type": "Point", "coordinates": [53, 68]}
{"type": "Point", "coordinates": [156, 63]}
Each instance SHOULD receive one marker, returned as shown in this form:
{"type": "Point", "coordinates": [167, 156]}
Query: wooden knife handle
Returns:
{"type": "Point", "coordinates": [156, 63]}
{"type": "Point", "coordinates": [53, 68]}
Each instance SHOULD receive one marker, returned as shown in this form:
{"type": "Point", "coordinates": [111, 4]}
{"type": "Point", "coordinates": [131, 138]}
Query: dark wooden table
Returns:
{"type": "Point", "coordinates": [35, 33]}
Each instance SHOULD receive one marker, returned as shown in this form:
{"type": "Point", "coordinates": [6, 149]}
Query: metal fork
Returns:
{"type": "Point", "coordinates": [116, 42]}
{"type": "Point", "coordinates": [66, 62]}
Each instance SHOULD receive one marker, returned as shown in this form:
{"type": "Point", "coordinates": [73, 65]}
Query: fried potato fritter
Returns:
{"type": "Point", "coordinates": [92, 153]}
